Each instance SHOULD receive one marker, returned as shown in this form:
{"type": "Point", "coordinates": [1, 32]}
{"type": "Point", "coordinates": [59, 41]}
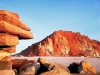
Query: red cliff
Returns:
{"type": "Point", "coordinates": [64, 43]}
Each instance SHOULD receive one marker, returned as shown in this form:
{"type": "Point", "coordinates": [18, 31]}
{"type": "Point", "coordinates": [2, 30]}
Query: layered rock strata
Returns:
{"type": "Point", "coordinates": [64, 43]}
{"type": "Point", "coordinates": [11, 31]}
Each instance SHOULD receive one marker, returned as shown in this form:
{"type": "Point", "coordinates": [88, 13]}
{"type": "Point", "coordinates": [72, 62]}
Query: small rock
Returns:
{"type": "Point", "coordinates": [53, 68]}
{"type": "Point", "coordinates": [46, 63]}
{"type": "Point", "coordinates": [87, 67]}
{"type": "Point", "coordinates": [29, 68]}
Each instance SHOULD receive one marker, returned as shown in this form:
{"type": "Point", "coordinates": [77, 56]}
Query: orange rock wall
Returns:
{"type": "Point", "coordinates": [64, 43]}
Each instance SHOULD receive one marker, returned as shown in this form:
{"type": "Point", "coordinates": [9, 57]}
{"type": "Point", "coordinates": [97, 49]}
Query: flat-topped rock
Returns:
{"type": "Point", "coordinates": [11, 18]}
{"type": "Point", "coordinates": [15, 30]}
{"type": "Point", "coordinates": [8, 40]}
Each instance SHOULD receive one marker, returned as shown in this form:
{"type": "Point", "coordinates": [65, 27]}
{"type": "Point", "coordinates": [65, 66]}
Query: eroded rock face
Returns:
{"type": "Point", "coordinates": [64, 43]}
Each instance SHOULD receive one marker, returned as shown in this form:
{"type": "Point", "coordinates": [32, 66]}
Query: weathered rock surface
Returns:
{"type": "Point", "coordinates": [11, 31]}
{"type": "Point", "coordinates": [64, 43]}
{"type": "Point", "coordinates": [7, 72]}
{"type": "Point", "coordinates": [29, 68]}
{"type": "Point", "coordinates": [12, 18]}
{"type": "Point", "coordinates": [56, 72]}
{"type": "Point", "coordinates": [5, 65]}
{"type": "Point", "coordinates": [4, 54]}
{"type": "Point", "coordinates": [87, 68]}
{"type": "Point", "coordinates": [8, 40]}
{"type": "Point", "coordinates": [14, 30]}
{"type": "Point", "coordinates": [11, 24]}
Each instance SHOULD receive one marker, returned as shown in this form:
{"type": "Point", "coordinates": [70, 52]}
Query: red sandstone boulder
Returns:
{"type": "Point", "coordinates": [64, 43]}
{"type": "Point", "coordinates": [17, 63]}
{"type": "Point", "coordinates": [87, 68]}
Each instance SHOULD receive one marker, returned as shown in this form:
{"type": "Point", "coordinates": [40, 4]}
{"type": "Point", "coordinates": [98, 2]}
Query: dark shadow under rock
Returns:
{"type": "Point", "coordinates": [74, 67]}
{"type": "Point", "coordinates": [41, 69]}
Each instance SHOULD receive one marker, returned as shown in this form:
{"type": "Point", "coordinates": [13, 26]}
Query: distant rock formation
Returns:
{"type": "Point", "coordinates": [64, 43]}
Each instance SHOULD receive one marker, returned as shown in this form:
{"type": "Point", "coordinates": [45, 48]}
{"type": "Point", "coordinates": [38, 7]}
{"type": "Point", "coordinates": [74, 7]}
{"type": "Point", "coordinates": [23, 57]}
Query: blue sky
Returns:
{"type": "Point", "coordinates": [46, 16]}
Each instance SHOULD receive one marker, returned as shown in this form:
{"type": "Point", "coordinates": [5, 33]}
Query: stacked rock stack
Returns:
{"type": "Point", "coordinates": [11, 31]}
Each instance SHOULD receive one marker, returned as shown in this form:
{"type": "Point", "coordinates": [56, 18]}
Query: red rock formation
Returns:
{"type": "Point", "coordinates": [64, 43]}
{"type": "Point", "coordinates": [12, 18]}
{"type": "Point", "coordinates": [11, 31]}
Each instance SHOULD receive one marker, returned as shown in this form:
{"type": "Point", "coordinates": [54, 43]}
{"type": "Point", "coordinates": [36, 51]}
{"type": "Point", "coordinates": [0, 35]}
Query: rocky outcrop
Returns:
{"type": "Point", "coordinates": [11, 24]}
{"type": "Point", "coordinates": [64, 43]}
{"type": "Point", "coordinates": [11, 31]}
